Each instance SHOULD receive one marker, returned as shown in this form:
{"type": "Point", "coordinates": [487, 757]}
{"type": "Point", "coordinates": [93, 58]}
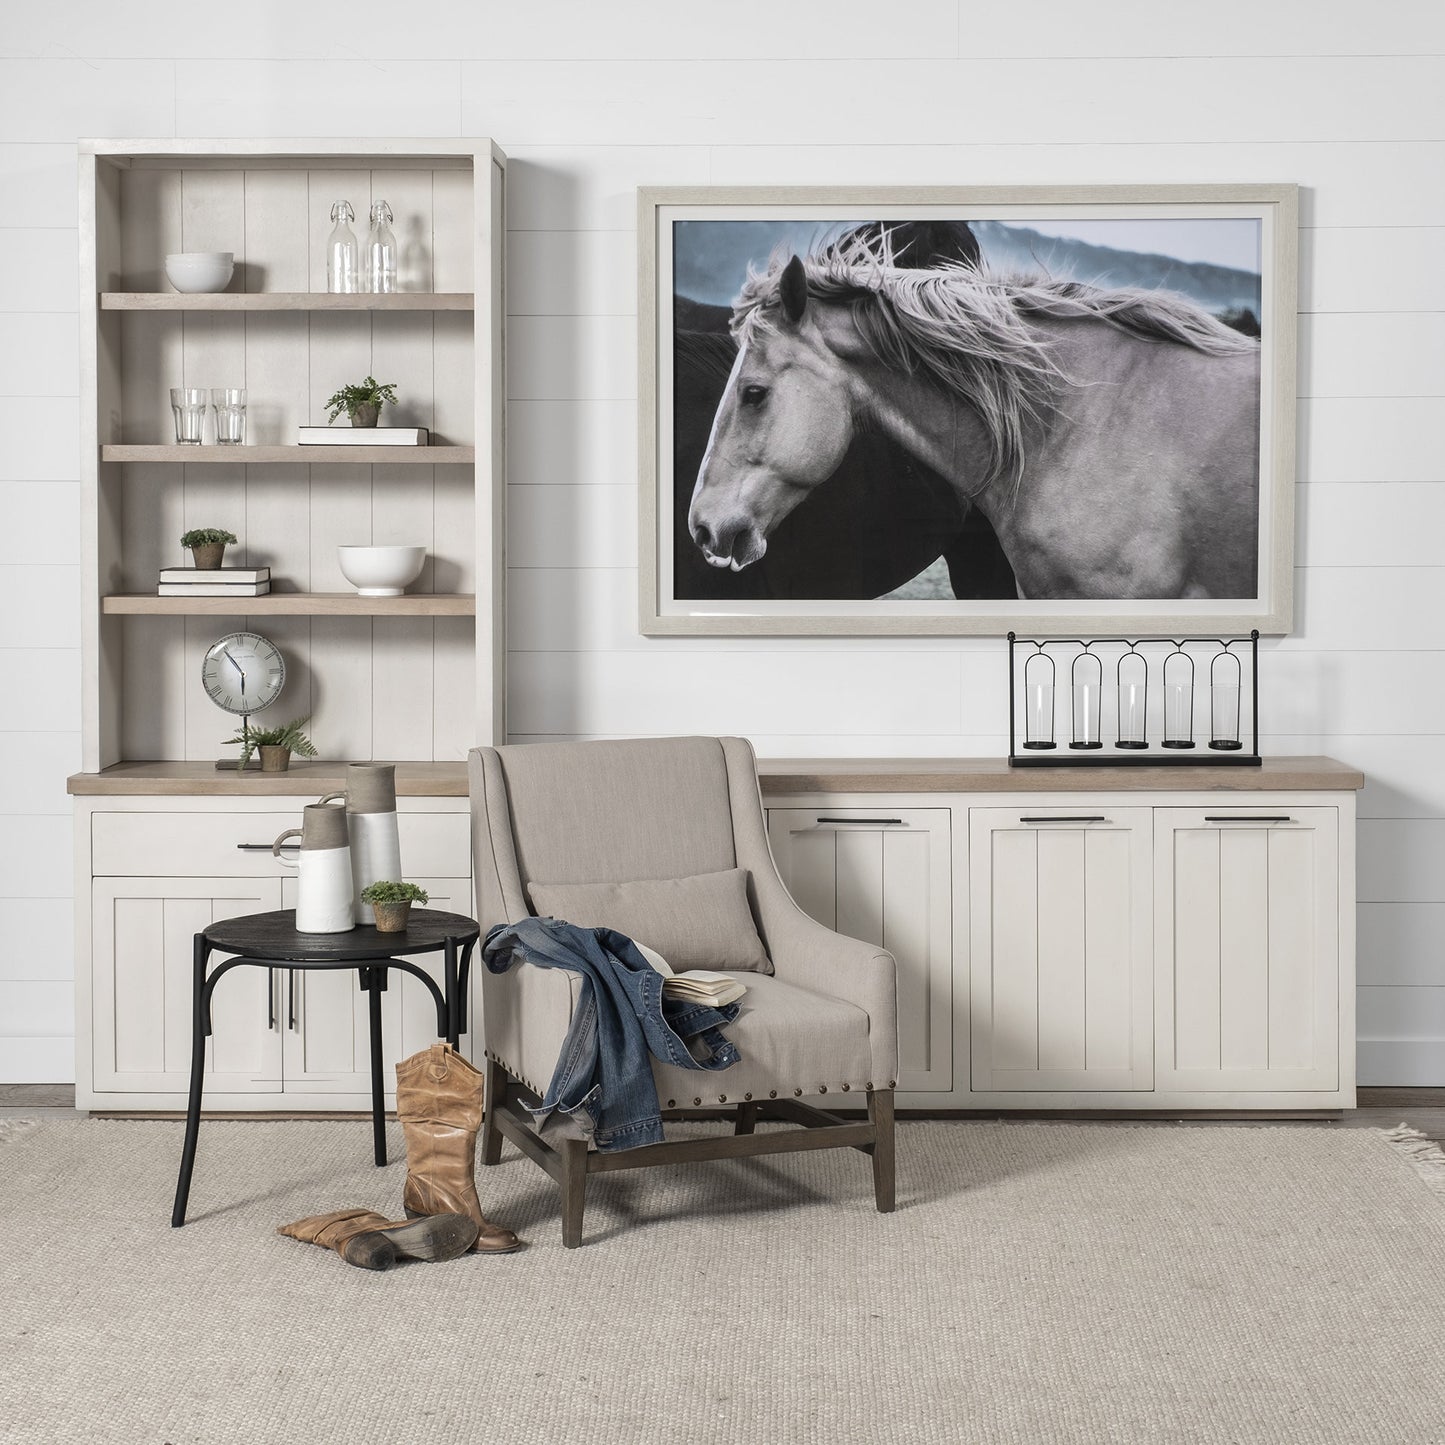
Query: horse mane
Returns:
{"type": "Point", "coordinates": [968, 328]}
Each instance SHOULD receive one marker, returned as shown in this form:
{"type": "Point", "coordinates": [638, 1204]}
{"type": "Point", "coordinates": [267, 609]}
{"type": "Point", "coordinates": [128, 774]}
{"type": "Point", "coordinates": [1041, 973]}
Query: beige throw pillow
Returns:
{"type": "Point", "coordinates": [698, 922]}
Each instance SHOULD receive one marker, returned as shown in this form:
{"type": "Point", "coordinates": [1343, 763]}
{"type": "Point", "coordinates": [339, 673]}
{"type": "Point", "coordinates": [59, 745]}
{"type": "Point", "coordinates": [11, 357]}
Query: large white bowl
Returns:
{"type": "Point", "coordinates": [381, 571]}
{"type": "Point", "coordinates": [200, 270]}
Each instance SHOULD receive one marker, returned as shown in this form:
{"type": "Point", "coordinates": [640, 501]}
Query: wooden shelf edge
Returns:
{"type": "Point", "coordinates": [420, 301]}
{"type": "Point", "coordinates": [292, 604]}
{"type": "Point", "coordinates": [291, 455]}
{"type": "Point", "coordinates": [304, 778]}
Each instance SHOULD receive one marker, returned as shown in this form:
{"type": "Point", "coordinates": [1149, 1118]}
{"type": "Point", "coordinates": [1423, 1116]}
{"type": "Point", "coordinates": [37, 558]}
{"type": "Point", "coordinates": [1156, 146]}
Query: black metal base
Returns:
{"type": "Point", "coordinates": [1086, 747]}
{"type": "Point", "coordinates": [1141, 760]}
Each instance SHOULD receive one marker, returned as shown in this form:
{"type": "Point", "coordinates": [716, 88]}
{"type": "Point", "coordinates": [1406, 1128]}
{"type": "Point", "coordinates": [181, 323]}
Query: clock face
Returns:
{"type": "Point", "coordinates": [243, 672]}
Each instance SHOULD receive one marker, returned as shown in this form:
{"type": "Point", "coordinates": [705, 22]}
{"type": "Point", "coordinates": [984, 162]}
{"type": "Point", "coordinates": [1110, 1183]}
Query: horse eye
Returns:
{"type": "Point", "coordinates": [754, 395]}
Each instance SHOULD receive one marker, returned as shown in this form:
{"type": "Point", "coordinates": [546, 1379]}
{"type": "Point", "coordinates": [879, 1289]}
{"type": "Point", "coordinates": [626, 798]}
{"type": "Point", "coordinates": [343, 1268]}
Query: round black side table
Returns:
{"type": "Point", "coordinates": [270, 940]}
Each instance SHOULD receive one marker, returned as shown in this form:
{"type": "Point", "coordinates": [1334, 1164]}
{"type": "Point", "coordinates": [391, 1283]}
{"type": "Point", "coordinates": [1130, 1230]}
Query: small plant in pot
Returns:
{"type": "Point", "coordinates": [208, 546]}
{"type": "Point", "coordinates": [275, 744]}
{"type": "Point", "coordinates": [391, 903]}
{"type": "Point", "coordinates": [362, 402]}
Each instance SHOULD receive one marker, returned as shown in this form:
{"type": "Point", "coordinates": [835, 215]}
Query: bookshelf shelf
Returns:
{"type": "Point", "coordinates": [293, 604]}
{"type": "Point", "coordinates": [286, 301]}
{"type": "Point", "coordinates": [305, 456]}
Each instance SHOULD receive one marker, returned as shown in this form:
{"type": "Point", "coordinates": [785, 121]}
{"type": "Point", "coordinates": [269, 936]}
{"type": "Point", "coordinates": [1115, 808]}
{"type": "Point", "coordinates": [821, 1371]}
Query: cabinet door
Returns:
{"type": "Point", "coordinates": [142, 949]}
{"type": "Point", "coordinates": [325, 1012]}
{"type": "Point", "coordinates": [884, 875]}
{"type": "Point", "coordinates": [1247, 943]}
{"type": "Point", "coordinates": [1059, 958]}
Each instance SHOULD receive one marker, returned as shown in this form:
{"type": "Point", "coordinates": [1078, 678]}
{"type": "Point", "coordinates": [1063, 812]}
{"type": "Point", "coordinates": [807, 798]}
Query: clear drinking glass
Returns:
{"type": "Point", "coordinates": [189, 405]}
{"type": "Point", "coordinates": [230, 407]}
{"type": "Point", "coordinates": [342, 254]}
{"type": "Point", "coordinates": [378, 270]}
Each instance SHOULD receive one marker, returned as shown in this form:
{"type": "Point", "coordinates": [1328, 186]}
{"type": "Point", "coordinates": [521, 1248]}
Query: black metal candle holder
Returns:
{"type": "Point", "coordinates": [1131, 746]}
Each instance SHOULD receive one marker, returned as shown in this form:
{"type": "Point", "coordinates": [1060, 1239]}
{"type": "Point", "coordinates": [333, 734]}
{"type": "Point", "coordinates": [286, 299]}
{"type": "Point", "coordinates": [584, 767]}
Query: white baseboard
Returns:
{"type": "Point", "coordinates": [37, 1061]}
{"type": "Point", "coordinates": [1401, 1063]}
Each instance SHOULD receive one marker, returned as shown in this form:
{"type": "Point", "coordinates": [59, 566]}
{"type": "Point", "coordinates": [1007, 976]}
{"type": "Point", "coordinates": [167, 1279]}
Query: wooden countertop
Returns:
{"type": "Point", "coordinates": [304, 778]}
{"type": "Point", "coordinates": [779, 777]}
{"type": "Point", "coordinates": [993, 775]}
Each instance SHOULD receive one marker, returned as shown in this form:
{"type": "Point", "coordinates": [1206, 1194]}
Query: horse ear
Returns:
{"type": "Point", "coordinates": [793, 290]}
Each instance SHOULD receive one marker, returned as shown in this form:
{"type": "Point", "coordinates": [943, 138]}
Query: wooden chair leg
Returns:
{"type": "Point", "coordinates": [574, 1189]}
{"type": "Point", "coordinates": [496, 1086]}
{"type": "Point", "coordinates": [747, 1119]}
{"type": "Point", "coordinates": [880, 1113]}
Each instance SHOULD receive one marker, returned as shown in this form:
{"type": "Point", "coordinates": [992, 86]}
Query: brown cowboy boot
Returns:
{"type": "Point", "coordinates": [439, 1103]}
{"type": "Point", "coordinates": [371, 1241]}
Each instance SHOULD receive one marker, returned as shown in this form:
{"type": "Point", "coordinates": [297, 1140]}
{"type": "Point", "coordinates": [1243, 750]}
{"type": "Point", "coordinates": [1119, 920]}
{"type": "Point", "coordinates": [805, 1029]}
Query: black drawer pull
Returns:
{"type": "Point", "coordinates": [1069, 818]}
{"type": "Point", "coordinates": [877, 822]}
{"type": "Point", "coordinates": [1260, 818]}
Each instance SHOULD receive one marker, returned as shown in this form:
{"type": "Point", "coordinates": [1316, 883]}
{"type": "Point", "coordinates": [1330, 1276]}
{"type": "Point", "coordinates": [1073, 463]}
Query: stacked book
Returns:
{"type": "Point", "coordinates": [215, 582]}
{"type": "Point", "coordinates": [362, 436]}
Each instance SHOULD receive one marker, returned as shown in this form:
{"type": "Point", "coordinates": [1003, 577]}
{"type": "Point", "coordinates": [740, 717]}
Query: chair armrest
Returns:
{"type": "Point", "coordinates": [809, 955]}
{"type": "Point", "coordinates": [526, 1013]}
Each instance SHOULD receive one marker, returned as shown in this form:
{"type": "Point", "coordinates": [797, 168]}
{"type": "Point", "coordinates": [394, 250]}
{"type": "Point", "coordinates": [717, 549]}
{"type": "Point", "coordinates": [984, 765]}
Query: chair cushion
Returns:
{"type": "Point", "coordinates": [698, 922]}
{"type": "Point", "coordinates": [792, 1041]}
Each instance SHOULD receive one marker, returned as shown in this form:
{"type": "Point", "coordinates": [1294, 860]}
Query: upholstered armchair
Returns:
{"type": "Point", "coordinates": [821, 1023]}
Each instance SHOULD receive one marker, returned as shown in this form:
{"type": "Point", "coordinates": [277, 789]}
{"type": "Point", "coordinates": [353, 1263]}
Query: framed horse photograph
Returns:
{"type": "Point", "coordinates": [967, 410]}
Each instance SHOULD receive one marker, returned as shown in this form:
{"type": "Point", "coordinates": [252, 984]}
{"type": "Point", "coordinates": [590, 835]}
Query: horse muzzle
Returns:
{"type": "Point", "coordinates": [733, 547]}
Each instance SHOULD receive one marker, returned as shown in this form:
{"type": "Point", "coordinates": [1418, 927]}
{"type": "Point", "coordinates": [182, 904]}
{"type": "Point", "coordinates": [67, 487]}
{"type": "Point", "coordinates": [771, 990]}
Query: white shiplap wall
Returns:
{"type": "Point", "coordinates": [593, 100]}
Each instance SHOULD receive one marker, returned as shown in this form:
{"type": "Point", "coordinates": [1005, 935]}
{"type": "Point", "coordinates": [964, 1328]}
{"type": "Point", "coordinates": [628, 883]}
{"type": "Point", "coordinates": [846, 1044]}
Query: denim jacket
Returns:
{"type": "Point", "coordinates": [603, 1081]}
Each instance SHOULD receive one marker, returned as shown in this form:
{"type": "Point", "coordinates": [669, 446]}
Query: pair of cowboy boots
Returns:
{"type": "Point", "coordinates": [439, 1103]}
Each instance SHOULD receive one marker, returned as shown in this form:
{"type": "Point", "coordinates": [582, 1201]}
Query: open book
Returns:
{"type": "Point", "coordinates": [696, 985]}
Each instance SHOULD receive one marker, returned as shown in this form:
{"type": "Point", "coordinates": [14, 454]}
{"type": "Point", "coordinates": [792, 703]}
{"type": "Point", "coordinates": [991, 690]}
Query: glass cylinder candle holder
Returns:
{"type": "Point", "coordinates": [1132, 677]}
{"type": "Point", "coordinates": [188, 403]}
{"type": "Point", "coordinates": [1087, 677]}
{"type": "Point", "coordinates": [1039, 702]}
{"type": "Point", "coordinates": [229, 404]}
{"type": "Point", "coordinates": [1178, 700]}
{"type": "Point", "coordinates": [1224, 678]}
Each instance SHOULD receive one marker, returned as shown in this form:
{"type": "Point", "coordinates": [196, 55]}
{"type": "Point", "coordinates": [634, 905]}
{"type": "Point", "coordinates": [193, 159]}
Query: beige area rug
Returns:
{"type": "Point", "coordinates": [1039, 1283]}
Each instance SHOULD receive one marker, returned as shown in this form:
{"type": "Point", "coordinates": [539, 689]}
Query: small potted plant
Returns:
{"type": "Point", "coordinates": [362, 402]}
{"type": "Point", "coordinates": [208, 546]}
{"type": "Point", "coordinates": [391, 903]}
{"type": "Point", "coordinates": [275, 744]}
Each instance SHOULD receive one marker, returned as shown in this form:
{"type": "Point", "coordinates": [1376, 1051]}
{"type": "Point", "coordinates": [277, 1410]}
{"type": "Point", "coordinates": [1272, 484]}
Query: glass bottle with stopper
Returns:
{"type": "Point", "coordinates": [342, 253]}
{"type": "Point", "coordinates": [378, 271]}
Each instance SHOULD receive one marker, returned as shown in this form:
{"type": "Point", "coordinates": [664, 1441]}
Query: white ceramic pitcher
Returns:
{"type": "Point", "coordinates": [324, 885]}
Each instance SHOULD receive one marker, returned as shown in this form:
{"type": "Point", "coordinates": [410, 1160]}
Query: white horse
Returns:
{"type": "Point", "coordinates": [1111, 436]}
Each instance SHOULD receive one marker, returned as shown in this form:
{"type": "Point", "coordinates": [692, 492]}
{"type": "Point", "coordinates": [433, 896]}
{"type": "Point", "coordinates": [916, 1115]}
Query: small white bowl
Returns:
{"type": "Point", "coordinates": [196, 271]}
{"type": "Point", "coordinates": [381, 571]}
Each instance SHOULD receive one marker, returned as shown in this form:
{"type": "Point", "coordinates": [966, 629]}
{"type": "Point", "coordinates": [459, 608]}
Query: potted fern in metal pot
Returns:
{"type": "Point", "coordinates": [275, 744]}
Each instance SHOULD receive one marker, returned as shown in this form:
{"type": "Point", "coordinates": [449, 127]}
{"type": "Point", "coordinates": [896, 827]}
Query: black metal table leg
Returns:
{"type": "Point", "coordinates": [373, 981]}
{"type": "Point", "coordinates": [453, 991]}
{"type": "Point", "coordinates": [198, 1069]}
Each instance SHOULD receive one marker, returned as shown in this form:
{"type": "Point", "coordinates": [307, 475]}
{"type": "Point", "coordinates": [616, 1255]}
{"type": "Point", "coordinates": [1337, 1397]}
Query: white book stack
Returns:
{"type": "Point", "coordinates": [214, 582]}
{"type": "Point", "coordinates": [362, 436]}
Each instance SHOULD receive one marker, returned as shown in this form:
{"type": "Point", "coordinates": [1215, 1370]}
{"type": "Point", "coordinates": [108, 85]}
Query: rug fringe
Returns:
{"type": "Point", "coordinates": [1422, 1151]}
{"type": "Point", "coordinates": [13, 1129]}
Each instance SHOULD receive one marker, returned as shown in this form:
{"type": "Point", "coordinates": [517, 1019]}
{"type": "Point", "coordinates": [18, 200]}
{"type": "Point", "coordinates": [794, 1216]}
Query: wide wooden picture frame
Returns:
{"type": "Point", "coordinates": [967, 410]}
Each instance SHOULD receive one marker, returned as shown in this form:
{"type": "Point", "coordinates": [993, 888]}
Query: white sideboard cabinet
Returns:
{"type": "Point", "coordinates": [1168, 939]}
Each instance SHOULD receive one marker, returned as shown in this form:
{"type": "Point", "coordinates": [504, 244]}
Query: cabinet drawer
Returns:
{"type": "Point", "coordinates": [137, 845]}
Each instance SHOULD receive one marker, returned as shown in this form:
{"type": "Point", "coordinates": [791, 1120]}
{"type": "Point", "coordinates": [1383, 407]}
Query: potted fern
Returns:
{"type": "Point", "coordinates": [362, 402]}
{"type": "Point", "coordinates": [208, 546]}
{"type": "Point", "coordinates": [275, 744]}
{"type": "Point", "coordinates": [391, 903]}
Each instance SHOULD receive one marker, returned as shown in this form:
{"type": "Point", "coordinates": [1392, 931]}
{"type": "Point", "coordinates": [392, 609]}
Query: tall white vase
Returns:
{"type": "Point", "coordinates": [323, 890]}
{"type": "Point", "coordinates": [371, 821]}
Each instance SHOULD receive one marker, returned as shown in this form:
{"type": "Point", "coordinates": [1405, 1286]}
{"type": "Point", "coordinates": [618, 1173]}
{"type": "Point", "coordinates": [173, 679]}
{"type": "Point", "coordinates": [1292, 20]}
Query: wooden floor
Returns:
{"type": "Point", "coordinates": [1423, 1109]}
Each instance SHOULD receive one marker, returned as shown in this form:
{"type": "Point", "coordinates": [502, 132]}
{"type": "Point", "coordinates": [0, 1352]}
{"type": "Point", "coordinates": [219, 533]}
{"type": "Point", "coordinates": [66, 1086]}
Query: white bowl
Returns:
{"type": "Point", "coordinates": [381, 571]}
{"type": "Point", "coordinates": [200, 270]}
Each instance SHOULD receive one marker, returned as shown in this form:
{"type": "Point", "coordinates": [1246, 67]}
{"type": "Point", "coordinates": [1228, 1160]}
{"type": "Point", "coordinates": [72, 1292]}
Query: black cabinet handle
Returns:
{"type": "Point", "coordinates": [1260, 818]}
{"type": "Point", "coordinates": [1068, 818]}
{"type": "Point", "coordinates": [876, 822]}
